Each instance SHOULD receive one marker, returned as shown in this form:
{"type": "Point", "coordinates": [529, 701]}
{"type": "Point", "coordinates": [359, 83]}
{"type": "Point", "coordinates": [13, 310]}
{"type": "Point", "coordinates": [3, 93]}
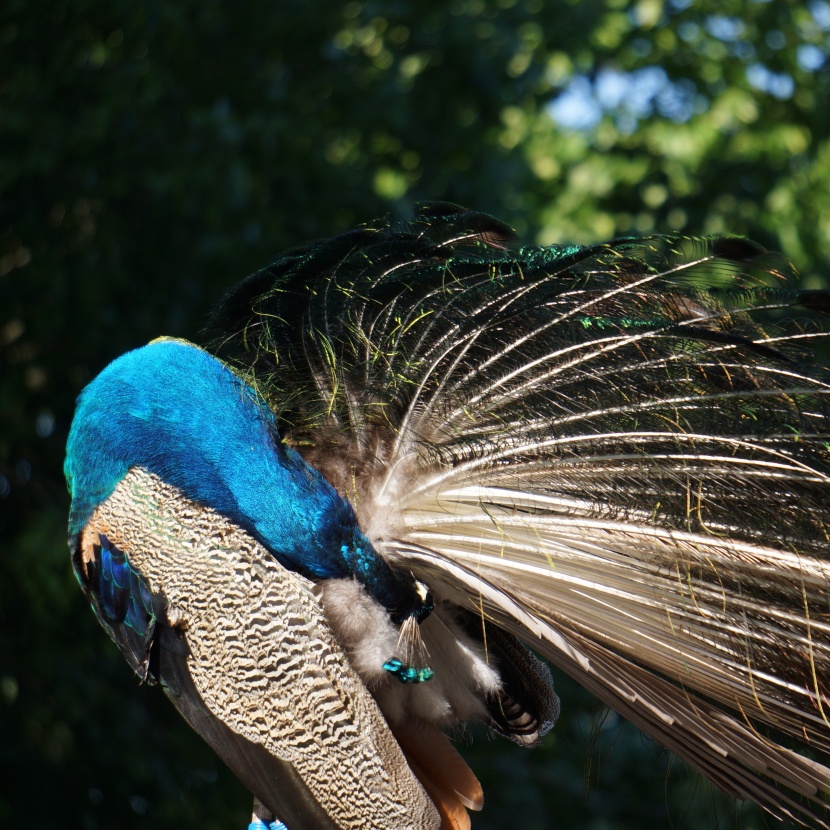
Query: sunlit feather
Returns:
{"type": "Point", "coordinates": [621, 454]}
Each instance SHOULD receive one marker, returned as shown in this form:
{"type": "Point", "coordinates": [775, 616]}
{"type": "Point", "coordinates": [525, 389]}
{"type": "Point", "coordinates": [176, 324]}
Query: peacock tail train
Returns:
{"type": "Point", "coordinates": [618, 455]}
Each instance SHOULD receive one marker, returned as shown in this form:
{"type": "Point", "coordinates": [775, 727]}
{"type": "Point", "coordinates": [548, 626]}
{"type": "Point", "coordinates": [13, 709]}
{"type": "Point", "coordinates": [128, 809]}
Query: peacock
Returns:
{"type": "Point", "coordinates": [407, 462]}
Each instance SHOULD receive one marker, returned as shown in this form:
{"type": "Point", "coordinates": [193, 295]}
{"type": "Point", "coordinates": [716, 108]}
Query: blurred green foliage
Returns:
{"type": "Point", "coordinates": [153, 153]}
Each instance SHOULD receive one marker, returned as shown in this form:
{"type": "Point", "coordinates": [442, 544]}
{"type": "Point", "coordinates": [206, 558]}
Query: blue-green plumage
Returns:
{"type": "Point", "coordinates": [176, 411]}
{"type": "Point", "coordinates": [123, 594]}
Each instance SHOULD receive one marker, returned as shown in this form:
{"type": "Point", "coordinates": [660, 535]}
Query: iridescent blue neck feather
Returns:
{"type": "Point", "coordinates": [178, 412]}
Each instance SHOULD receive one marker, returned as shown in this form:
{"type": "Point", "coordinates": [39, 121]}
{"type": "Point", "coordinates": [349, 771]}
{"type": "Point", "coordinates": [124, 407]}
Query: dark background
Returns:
{"type": "Point", "coordinates": [154, 152]}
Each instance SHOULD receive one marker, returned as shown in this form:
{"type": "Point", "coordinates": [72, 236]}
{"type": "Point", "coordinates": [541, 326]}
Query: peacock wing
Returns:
{"type": "Point", "coordinates": [241, 647]}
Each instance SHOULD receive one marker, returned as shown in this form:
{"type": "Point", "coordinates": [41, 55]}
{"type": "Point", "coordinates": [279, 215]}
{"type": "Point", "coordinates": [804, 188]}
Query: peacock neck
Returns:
{"type": "Point", "coordinates": [176, 411]}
